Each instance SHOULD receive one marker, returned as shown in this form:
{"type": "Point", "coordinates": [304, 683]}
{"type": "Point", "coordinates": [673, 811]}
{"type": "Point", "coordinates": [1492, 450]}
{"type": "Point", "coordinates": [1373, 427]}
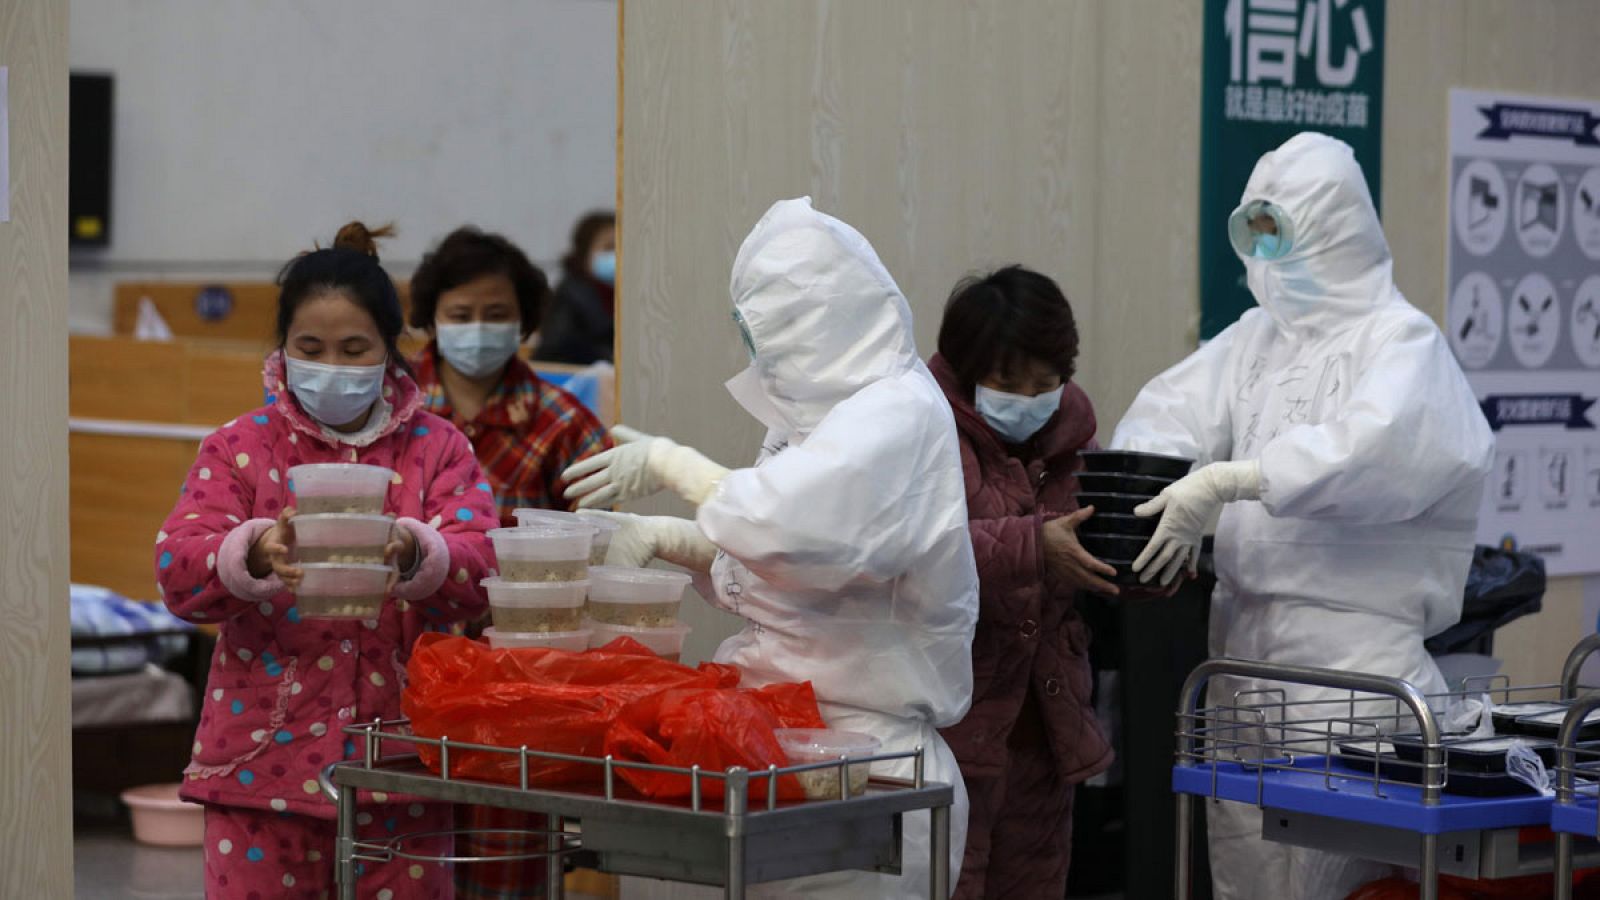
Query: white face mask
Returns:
{"type": "Point", "coordinates": [746, 389]}
{"type": "Point", "coordinates": [476, 349]}
{"type": "Point", "coordinates": [1017, 417]}
{"type": "Point", "coordinates": [334, 395]}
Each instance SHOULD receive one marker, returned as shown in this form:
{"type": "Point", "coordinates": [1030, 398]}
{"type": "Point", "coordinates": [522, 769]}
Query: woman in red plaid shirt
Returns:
{"type": "Point", "coordinates": [479, 298]}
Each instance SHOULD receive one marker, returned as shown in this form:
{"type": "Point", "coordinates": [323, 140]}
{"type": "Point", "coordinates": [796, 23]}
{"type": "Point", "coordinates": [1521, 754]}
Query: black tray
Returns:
{"type": "Point", "coordinates": [1117, 504]}
{"type": "Point", "coordinates": [1107, 483]}
{"type": "Point", "coordinates": [1458, 781]}
{"type": "Point", "coordinates": [1361, 753]}
{"type": "Point", "coordinates": [1506, 715]}
{"type": "Point", "coordinates": [1109, 547]}
{"type": "Point", "coordinates": [1462, 754]}
{"type": "Point", "coordinates": [1131, 462]}
{"type": "Point", "coordinates": [1125, 576]}
{"type": "Point", "coordinates": [1114, 524]}
{"type": "Point", "coordinates": [1549, 725]}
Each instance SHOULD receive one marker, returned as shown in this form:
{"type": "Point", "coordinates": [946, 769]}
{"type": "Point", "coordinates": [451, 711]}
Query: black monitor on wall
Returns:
{"type": "Point", "coordinates": [89, 160]}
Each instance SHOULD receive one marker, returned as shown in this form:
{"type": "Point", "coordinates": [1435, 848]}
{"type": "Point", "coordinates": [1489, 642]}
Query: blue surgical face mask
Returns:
{"type": "Point", "coordinates": [334, 395]}
{"type": "Point", "coordinates": [477, 349]}
{"type": "Point", "coordinates": [1261, 245]}
{"type": "Point", "coordinates": [604, 267]}
{"type": "Point", "coordinates": [1269, 246]}
{"type": "Point", "coordinates": [1017, 417]}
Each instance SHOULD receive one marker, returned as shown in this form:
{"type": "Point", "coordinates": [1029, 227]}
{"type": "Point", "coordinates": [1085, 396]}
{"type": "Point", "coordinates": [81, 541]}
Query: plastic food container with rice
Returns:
{"type": "Point", "coordinates": [536, 607]}
{"type": "Point", "coordinates": [341, 537]}
{"type": "Point", "coordinates": [640, 598]}
{"type": "Point", "coordinates": [804, 746]}
{"type": "Point", "coordinates": [665, 641]}
{"type": "Point", "coordinates": [573, 641]}
{"type": "Point", "coordinates": [605, 529]}
{"type": "Point", "coordinates": [342, 590]}
{"type": "Point", "coordinates": [323, 488]}
{"type": "Point", "coordinates": [543, 553]}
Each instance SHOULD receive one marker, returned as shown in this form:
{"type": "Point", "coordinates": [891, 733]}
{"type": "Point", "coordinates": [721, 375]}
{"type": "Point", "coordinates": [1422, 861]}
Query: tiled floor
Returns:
{"type": "Point", "coordinates": [109, 866]}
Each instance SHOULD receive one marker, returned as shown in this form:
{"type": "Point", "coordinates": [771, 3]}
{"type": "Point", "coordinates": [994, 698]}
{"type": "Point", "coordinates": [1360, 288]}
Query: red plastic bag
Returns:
{"type": "Point", "coordinates": [714, 729]}
{"type": "Point", "coordinates": [549, 700]}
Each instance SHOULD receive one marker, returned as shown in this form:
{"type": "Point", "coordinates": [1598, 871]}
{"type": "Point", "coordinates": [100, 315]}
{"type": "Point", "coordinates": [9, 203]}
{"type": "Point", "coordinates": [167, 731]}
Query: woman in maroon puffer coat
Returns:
{"type": "Point", "coordinates": [1006, 353]}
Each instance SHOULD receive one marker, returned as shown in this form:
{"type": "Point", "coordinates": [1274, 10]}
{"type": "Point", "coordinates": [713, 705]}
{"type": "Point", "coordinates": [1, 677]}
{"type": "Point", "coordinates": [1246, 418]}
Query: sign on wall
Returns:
{"type": "Point", "coordinates": [1523, 313]}
{"type": "Point", "coordinates": [1272, 69]}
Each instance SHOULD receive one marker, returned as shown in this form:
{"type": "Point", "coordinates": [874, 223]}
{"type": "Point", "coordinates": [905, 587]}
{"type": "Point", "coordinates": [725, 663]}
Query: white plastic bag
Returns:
{"type": "Point", "coordinates": [1525, 766]}
{"type": "Point", "coordinates": [150, 326]}
{"type": "Point", "coordinates": [1469, 717]}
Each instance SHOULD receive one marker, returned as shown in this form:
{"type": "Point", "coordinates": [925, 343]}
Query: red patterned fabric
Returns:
{"type": "Point", "coordinates": [526, 435]}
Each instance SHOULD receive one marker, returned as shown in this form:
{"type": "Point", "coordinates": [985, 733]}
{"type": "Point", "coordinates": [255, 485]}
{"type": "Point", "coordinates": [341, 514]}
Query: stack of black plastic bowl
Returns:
{"type": "Point", "coordinates": [1114, 482]}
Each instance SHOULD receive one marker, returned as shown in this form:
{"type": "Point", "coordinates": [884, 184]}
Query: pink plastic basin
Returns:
{"type": "Point", "coordinates": [160, 818]}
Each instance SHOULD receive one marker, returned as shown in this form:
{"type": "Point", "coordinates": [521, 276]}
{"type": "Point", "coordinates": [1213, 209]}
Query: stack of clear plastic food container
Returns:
{"type": "Point", "coordinates": [641, 604]}
{"type": "Point", "coordinates": [340, 534]}
{"type": "Point", "coordinates": [539, 596]}
{"type": "Point", "coordinates": [603, 528]}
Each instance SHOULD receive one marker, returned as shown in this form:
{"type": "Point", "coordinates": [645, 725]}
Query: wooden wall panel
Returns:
{"type": "Point", "coordinates": [253, 319]}
{"type": "Point", "coordinates": [117, 378]}
{"type": "Point", "coordinates": [1525, 46]}
{"type": "Point", "coordinates": [957, 136]}
{"type": "Point", "coordinates": [35, 790]}
{"type": "Point", "coordinates": [123, 488]}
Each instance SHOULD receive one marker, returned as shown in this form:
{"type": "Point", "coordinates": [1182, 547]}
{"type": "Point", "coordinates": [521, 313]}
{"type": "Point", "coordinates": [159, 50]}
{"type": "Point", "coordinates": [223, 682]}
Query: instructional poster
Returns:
{"type": "Point", "coordinates": [1523, 313]}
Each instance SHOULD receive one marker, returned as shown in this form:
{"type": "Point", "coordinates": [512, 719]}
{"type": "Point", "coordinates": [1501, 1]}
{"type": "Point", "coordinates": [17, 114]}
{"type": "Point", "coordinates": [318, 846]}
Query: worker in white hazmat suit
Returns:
{"type": "Point", "coordinates": [845, 548]}
{"type": "Point", "coordinates": [1342, 446]}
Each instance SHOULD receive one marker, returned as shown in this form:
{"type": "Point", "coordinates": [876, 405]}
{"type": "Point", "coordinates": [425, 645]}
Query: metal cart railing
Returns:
{"type": "Point", "coordinates": [1284, 757]}
{"type": "Point", "coordinates": [1575, 817]}
{"type": "Point", "coordinates": [745, 836]}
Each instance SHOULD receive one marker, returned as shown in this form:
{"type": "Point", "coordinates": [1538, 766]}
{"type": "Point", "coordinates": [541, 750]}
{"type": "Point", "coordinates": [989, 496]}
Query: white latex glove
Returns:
{"type": "Point", "coordinates": [641, 465]}
{"type": "Point", "coordinates": [645, 538]}
{"type": "Point", "coordinates": [1186, 508]}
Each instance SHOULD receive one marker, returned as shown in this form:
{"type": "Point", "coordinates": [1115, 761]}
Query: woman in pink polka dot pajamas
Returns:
{"type": "Point", "coordinates": [282, 686]}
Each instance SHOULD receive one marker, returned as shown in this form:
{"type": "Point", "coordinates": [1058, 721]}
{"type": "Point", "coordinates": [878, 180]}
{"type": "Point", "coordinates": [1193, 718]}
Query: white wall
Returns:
{"type": "Point", "coordinates": [247, 128]}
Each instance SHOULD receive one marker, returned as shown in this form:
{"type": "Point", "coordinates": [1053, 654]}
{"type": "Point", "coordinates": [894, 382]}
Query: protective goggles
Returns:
{"type": "Point", "coordinates": [744, 332]}
{"type": "Point", "coordinates": [1262, 244]}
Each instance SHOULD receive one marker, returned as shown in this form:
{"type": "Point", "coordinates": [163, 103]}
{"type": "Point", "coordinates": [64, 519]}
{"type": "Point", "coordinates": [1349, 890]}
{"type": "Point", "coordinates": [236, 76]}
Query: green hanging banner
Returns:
{"type": "Point", "coordinates": [1274, 68]}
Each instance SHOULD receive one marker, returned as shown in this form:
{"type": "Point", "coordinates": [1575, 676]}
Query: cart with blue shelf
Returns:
{"type": "Point", "coordinates": [1575, 814]}
{"type": "Point", "coordinates": [1285, 757]}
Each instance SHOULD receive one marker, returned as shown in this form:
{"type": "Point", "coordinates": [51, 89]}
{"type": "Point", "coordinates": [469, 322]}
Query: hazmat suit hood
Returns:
{"type": "Point", "coordinates": [1338, 267]}
{"type": "Point", "coordinates": [822, 316]}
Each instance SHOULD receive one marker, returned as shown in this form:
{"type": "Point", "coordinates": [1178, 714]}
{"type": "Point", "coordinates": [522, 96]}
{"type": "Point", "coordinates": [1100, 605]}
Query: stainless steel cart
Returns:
{"type": "Point", "coordinates": [730, 841]}
{"type": "Point", "coordinates": [1284, 757]}
{"type": "Point", "coordinates": [1575, 818]}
